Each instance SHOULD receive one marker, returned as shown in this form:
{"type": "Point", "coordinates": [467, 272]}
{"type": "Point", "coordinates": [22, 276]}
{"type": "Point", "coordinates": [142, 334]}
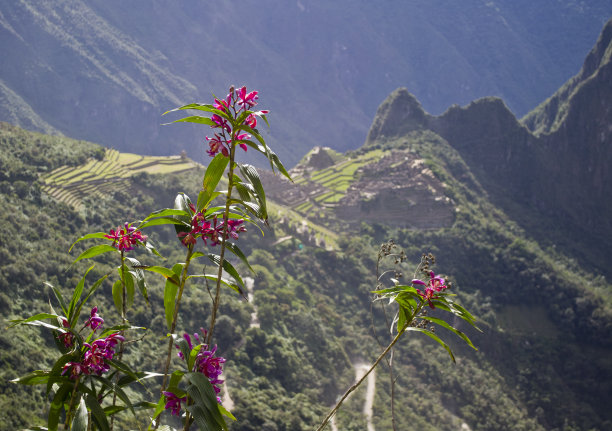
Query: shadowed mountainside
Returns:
{"type": "Point", "coordinates": [105, 70]}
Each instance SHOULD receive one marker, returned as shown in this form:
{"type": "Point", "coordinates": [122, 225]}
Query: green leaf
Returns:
{"type": "Point", "coordinates": [450, 328]}
{"type": "Point", "coordinates": [227, 267]}
{"type": "Point", "coordinates": [433, 336]}
{"type": "Point", "coordinates": [212, 176]}
{"type": "Point", "coordinates": [250, 173]}
{"type": "Point", "coordinates": [170, 292]}
{"type": "Point", "coordinates": [184, 346]}
{"type": "Point", "coordinates": [117, 292]}
{"type": "Point", "coordinates": [213, 277]}
{"type": "Point", "coordinates": [194, 119]}
{"type": "Point", "coordinates": [113, 388]}
{"type": "Point", "coordinates": [175, 378]}
{"type": "Point", "coordinates": [76, 296]}
{"type": "Point", "coordinates": [402, 318]}
{"type": "Point", "coordinates": [79, 423]}
{"type": "Point", "coordinates": [57, 404]}
{"type": "Point", "coordinates": [138, 275]}
{"type": "Point", "coordinates": [95, 251]}
{"type": "Point", "coordinates": [59, 297]}
{"type": "Point", "coordinates": [97, 414]}
{"type": "Point", "coordinates": [169, 274]}
{"type": "Point", "coordinates": [40, 377]}
{"type": "Point", "coordinates": [92, 289]}
{"type": "Point", "coordinates": [204, 402]}
{"type": "Point", "coordinates": [158, 410]}
{"type": "Point", "coordinates": [166, 212]}
{"type": "Point", "coordinates": [129, 287]}
{"type": "Point", "coordinates": [33, 319]}
{"type": "Point", "coordinates": [239, 254]}
{"type": "Point", "coordinates": [204, 199]}
{"type": "Point", "coordinates": [165, 220]}
{"type": "Point", "coordinates": [201, 107]}
{"type": "Point", "coordinates": [182, 202]}
{"type": "Point", "coordinates": [137, 376]}
{"type": "Point", "coordinates": [226, 412]}
{"type": "Point", "coordinates": [88, 236]}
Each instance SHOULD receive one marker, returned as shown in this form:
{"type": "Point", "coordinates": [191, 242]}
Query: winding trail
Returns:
{"type": "Point", "coordinates": [368, 405]}
{"type": "Point", "coordinates": [228, 403]}
{"type": "Point", "coordinates": [250, 284]}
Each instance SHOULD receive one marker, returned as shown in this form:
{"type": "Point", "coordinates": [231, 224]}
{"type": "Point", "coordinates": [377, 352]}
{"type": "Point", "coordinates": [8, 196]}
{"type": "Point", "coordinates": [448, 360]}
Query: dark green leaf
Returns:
{"type": "Point", "coordinates": [433, 336]}
{"type": "Point", "coordinates": [95, 251]}
{"type": "Point", "coordinates": [76, 296]}
{"type": "Point", "coordinates": [204, 397]}
{"type": "Point", "coordinates": [450, 328]}
{"type": "Point", "coordinates": [113, 388]}
{"type": "Point", "coordinates": [194, 119]}
{"type": "Point", "coordinates": [117, 292]}
{"type": "Point", "coordinates": [227, 267]}
{"type": "Point", "coordinates": [59, 298]}
{"type": "Point", "coordinates": [88, 236]}
{"type": "Point", "coordinates": [212, 176]}
{"type": "Point", "coordinates": [166, 212]}
{"type": "Point", "coordinates": [170, 291]}
{"type": "Point", "coordinates": [238, 253]}
{"type": "Point", "coordinates": [169, 274]}
{"type": "Point", "coordinates": [97, 414]}
{"type": "Point", "coordinates": [57, 404]}
{"type": "Point", "coordinates": [92, 289]}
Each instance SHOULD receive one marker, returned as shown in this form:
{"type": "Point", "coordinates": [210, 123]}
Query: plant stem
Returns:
{"type": "Point", "coordinates": [71, 407]}
{"type": "Point", "coordinates": [123, 319]}
{"type": "Point", "coordinates": [217, 299]}
{"type": "Point", "coordinates": [174, 319]}
{"type": "Point", "coordinates": [356, 385]}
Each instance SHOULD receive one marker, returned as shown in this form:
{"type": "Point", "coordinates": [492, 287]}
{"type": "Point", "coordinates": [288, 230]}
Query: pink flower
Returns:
{"type": "Point", "coordinates": [435, 284]}
{"type": "Point", "coordinates": [174, 403]}
{"type": "Point", "coordinates": [94, 321]}
{"type": "Point", "coordinates": [246, 101]}
{"type": "Point", "coordinates": [220, 122]}
{"type": "Point", "coordinates": [126, 238]}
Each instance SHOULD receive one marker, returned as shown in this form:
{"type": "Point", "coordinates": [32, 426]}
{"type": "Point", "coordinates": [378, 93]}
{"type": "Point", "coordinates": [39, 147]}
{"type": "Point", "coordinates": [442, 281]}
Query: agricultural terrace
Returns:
{"type": "Point", "coordinates": [100, 177]}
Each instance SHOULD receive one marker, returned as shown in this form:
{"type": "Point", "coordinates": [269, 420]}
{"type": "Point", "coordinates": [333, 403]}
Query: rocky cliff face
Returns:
{"type": "Point", "coordinates": [556, 161]}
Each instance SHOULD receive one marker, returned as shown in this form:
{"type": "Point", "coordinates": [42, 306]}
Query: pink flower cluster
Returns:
{"type": "Point", "coordinates": [95, 356]}
{"type": "Point", "coordinates": [435, 284]}
{"type": "Point", "coordinates": [235, 102]}
{"type": "Point", "coordinates": [206, 362]}
{"type": "Point", "coordinates": [173, 402]}
{"type": "Point", "coordinates": [210, 229]}
{"type": "Point", "coordinates": [126, 238]}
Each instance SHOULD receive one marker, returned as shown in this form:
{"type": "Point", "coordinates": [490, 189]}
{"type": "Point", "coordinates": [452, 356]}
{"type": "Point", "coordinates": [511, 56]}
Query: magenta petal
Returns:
{"type": "Point", "coordinates": [417, 281]}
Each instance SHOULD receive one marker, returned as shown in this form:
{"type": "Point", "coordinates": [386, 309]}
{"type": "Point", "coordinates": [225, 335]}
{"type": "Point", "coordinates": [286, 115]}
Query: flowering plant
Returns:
{"type": "Point", "coordinates": [90, 370]}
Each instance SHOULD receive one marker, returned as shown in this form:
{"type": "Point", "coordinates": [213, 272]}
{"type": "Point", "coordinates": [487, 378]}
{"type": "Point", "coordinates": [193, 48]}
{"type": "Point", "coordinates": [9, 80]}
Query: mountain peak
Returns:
{"type": "Point", "coordinates": [399, 114]}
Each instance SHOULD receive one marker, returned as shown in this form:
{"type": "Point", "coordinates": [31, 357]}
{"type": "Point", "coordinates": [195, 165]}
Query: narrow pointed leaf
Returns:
{"type": "Point", "coordinates": [94, 251]}
{"type": "Point", "coordinates": [450, 328]}
{"type": "Point", "coordinates": [433, 336]}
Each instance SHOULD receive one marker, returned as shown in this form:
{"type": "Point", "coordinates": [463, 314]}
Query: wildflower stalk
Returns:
{"type": "Point", "coordinates": [217, 299]}
{"type": "Point", "coordinates": [174, 319]}
{"type": "Point", "coordinates": [400, 332]}
{"type": "Point", "coordinates": [71, 407]}
{"type": "Point", "coordinates": [123, 320]}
